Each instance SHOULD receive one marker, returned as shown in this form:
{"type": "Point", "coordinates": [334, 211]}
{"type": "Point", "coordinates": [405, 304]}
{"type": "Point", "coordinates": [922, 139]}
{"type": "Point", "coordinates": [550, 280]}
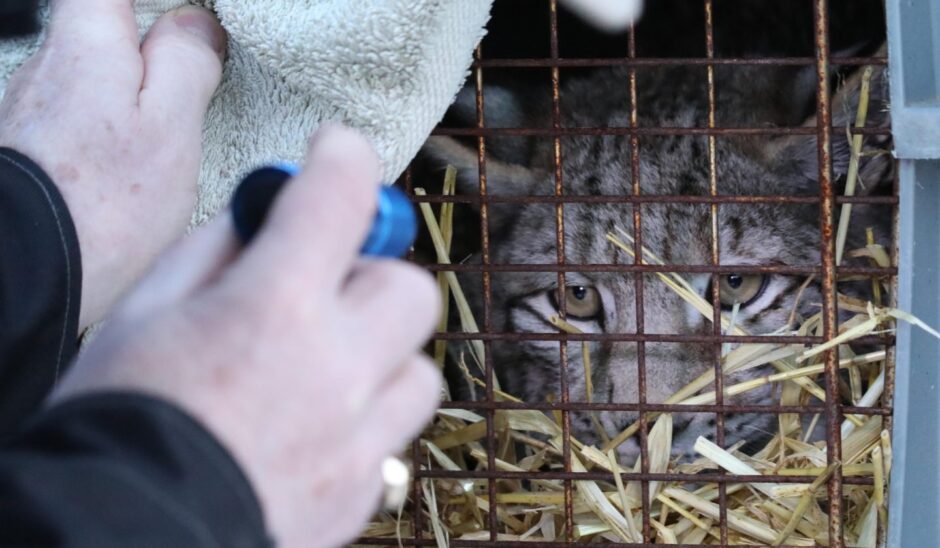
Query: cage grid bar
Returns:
{"type": "Point", "coordinates": [645, 131]}
{"type": "Point", "coordinates": [663, 408]}
{"type": "Point", "coordinates": [715, 285]}
{"type": "Point", "coordinates": [887, 401]}
{"type": "Point", "coordinates": [487, 292]}
{"type": "Point", "coordinates": [633, 61]}
{"type": "Point", "coordinates": [651, 476]}
{"type": "Point", "coordinates": [546, 544]}
{"type": "Point", "coordinates": [827, 257]}
{"type": "Point", "coordinates": [646, 337]}
{"type": "Point", "coordinates": [640, 321]}
{"type": "Point", "coordinates": [867, 271]}
{"type": "Point", "coordinates": [651, 198]}
{"type": "Point", "coordinates": [407, 183]}
{"type": "Point", "coordinates": [560, 244]}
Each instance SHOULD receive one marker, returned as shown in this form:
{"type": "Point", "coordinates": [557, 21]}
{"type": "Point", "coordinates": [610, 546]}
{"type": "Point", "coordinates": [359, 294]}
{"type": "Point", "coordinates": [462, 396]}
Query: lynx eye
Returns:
{"type": "Point", "coordinates": [740, 288]}
{"type": "Point", "coordinates": [581, 302]}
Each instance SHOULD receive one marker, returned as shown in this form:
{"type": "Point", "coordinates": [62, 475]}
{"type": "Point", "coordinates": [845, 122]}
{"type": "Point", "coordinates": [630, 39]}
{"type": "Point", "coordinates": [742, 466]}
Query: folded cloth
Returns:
{"type": "Point", "coordinates": [387, 67]}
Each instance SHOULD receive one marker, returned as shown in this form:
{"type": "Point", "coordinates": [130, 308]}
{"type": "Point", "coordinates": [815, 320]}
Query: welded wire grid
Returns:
{"type": "Point", "coordinates": [826, 271]}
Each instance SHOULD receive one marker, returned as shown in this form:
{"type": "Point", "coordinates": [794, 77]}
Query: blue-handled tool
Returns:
{"type": "Point", "coordinates": [393, 231]}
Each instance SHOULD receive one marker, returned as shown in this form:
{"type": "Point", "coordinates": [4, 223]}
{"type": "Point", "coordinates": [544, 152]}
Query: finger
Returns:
{"type": "Point", "coordinates": [192, 264]}
{"type": "Point", "coordinates": [398, 413]}
{"type": "Point", "coordinates": [85, 24]}
{"type": "Point", "coordinates": [400, 409]}
{"type": "Point", "coordinates": [183, 54]}
{"type": "Point", "coordinates": [397, 303]}
{"type": "Point", "coordinates": [99, 40]}
{"type": "Point", "coordinates": [321, 219]}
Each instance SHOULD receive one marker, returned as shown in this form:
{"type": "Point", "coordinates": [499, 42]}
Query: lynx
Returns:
{"type": "Point", "coordinates": [679, 233]}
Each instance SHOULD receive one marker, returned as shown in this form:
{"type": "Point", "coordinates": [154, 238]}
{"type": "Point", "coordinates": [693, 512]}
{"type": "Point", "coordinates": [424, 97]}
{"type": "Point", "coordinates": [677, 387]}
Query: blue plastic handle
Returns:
{"type": "Point", "coordinates": [393, 231]}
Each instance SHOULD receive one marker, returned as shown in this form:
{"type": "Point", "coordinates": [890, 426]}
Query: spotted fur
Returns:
{"type": "Point", "coordinates": [752, 234]}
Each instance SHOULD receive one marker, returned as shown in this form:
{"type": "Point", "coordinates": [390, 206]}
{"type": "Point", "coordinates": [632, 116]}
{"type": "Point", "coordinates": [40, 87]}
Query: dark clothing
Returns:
{"type": "Point", "coordinates": [123, 470]}
{"type": "Point", "coordinates": [18, 17]}
{"type": "Point", "coordinates": [99, 471]}
{"type": "Point", "coordinates": [40, 287]}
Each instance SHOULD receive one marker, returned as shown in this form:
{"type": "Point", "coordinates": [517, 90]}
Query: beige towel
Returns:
{"type": "Point", "coordinates": [387, 67]}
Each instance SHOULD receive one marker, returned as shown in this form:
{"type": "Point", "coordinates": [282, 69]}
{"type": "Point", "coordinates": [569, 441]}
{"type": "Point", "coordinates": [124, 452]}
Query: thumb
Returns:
{"type": "Point", "coordinates": [192, 264]}
{"type": "Point", "coordinates": [183, 54]}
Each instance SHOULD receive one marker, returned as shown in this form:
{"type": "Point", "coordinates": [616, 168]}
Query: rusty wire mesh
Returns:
{"type": "Point", "coordinates": [827, 271]}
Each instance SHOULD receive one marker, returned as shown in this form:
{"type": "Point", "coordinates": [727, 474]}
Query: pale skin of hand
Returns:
{"type": "Point", "coordinates": [303, 359]}
{"type": "Point", "coordinates": [117, 125]}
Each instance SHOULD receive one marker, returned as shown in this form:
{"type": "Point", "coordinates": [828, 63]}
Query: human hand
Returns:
{"type": "Point", "coordinates": [302, 358]}
{"type": "Point", "coordinates": [117, 125]}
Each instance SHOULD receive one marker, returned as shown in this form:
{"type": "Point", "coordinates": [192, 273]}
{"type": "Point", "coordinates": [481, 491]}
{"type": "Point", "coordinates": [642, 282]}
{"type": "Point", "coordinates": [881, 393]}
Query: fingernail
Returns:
{"type": "Point", "coordinates": [202, 23]}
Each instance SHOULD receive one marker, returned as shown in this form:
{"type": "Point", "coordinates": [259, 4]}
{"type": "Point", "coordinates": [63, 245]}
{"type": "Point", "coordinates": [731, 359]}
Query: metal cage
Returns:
{"type": "Point", "coordinates": [913, 94]}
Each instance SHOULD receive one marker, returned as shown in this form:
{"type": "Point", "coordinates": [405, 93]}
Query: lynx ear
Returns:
{"type": "Point", "coordinates": [502, 178]}
{"type": "Point", "coordinates": [875, 167]}
{"type": "Point", "coordinates": [504, 107]}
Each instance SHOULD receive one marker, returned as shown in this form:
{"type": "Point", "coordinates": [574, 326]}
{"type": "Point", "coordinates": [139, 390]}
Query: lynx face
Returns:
{"type": "Point", "coordinates": [679, 233]}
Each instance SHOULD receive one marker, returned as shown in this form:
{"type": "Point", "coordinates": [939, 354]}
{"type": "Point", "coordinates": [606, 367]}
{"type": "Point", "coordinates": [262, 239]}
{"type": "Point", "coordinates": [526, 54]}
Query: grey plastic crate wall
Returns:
{"type": "Point", "coordinates": [914, 53]}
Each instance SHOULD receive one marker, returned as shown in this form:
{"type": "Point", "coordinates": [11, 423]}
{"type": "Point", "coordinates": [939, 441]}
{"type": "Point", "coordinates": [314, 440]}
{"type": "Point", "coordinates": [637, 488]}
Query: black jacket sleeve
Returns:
{"type": "Point", "coordinates": [40, 287]}
{"type": "Point", "coordinates": [18, 17]}
{"type": "Point", "coordinates": [105, 470]}
{"type": "Point", "coordinates": [121, 470]}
